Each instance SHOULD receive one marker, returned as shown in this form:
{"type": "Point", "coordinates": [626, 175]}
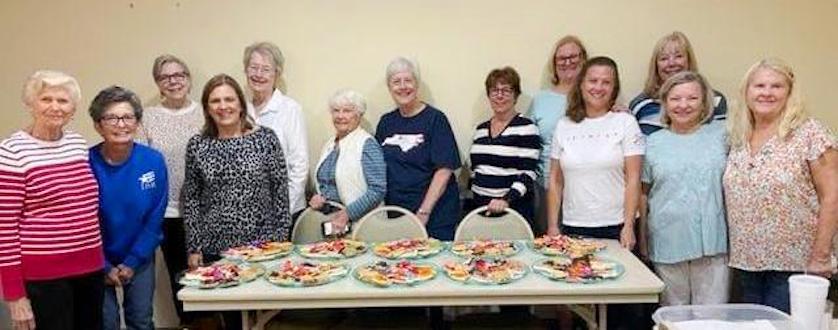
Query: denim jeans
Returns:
{"type": "Point", "coordinates": [770, 288]}
{"type": "Point", "coordinates": [138, 298]}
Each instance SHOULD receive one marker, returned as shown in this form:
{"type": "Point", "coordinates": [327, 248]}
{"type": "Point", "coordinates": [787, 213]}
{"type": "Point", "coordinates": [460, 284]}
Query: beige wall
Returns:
{"type": "Point", "coordinates": [334, 44]}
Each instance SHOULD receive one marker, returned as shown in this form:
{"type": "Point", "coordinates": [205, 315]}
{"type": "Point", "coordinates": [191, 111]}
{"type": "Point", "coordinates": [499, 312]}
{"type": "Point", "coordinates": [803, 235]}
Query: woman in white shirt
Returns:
{"type": "Point", "coordinates": [596, 160]}
{"type": "Point", "coordinates": [263, 66]}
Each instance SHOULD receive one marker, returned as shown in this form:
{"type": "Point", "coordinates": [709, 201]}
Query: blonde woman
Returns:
{"type": "Point", "coordinates": [781, 186]}
{"type": "Point", "coordinates": [682, 178]}
{"type": "Point", "coordinates": [672, 54]}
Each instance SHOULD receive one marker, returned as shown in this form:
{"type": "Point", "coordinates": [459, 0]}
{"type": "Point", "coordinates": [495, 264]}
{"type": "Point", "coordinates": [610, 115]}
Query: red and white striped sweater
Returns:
{"type": "Point", "coordinates": [49, 224]}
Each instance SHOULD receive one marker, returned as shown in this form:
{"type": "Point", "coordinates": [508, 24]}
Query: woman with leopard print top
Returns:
{"type": "Point", "coordinates": [236, 185]}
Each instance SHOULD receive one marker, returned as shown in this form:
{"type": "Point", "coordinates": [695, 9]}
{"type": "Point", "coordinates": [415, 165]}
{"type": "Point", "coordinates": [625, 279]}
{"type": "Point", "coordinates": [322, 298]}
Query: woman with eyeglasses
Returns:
{"type": "Point", "coordinates": [505, 149]}
{"type": "Point", "coordinates": [264, 65]}
{"type": "Point", "coordinates": [133, 189]}
{"type": "Point", "coordinates": [167, 127]}
{"type": "Point", "coordinates": [548, 106]}
{"type": "Point", "coordinates": [50, 245]}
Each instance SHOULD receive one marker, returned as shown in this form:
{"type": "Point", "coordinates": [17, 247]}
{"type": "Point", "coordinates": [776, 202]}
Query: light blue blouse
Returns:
{"type": "Point", "coordinates": [686, 206]}
{"type": "Point", "coordinates": [546, 109]}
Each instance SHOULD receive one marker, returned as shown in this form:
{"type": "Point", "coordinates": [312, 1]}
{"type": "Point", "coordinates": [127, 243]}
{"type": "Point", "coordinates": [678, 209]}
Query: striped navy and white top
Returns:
{"type": "Point", "coordinates": [647, 111]}
{"type": "Point", "coordinates": [505, 166]}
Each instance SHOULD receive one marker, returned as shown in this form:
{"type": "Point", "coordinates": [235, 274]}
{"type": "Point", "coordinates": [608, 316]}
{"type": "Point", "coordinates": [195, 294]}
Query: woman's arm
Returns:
{"type": "Point", "coordinates": [554, 194]}
{"type": "Point", "coordinates": [375, 175]}
{"type": "Point", "coordinates": [438, 183]}
{"type": "Point", "coordinates": [279, 181]}
{"type": "Point", "coordinates": [193, 186]}
{"type": "Point", "coordinates": [631, 201]}
{"type": "Point", "coordinates": [643, 239]}
{"type": "Point", "coordinates": [825, 177]}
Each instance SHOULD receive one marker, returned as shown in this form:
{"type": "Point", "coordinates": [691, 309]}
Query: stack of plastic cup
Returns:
{"type": "Point", "coordinates": [807, 294]}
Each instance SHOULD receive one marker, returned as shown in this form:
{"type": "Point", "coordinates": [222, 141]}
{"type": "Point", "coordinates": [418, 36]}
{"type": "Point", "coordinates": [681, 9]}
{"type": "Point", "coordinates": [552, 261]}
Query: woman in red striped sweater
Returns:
{"type": "Point", "coordinates": [50, 246]}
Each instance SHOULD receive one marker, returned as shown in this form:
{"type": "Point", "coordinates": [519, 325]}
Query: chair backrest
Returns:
{"type": "Point", "coordinates": [388, 223]}
{"type": "Point", "coordinates": [509, 225]}
{"type": "Point", "coordinates": [309, 225]}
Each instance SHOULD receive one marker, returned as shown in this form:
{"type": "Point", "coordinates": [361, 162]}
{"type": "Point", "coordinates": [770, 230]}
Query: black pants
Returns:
{"type": "Point", "coordinates": [174, 251]}
{"type": "Point", "coordinates": [72, 303]}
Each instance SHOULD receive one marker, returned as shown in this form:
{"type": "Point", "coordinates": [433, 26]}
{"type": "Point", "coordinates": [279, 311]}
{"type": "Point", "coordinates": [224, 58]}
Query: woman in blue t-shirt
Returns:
{"type": "Point", "coordinates": [421, 154]}
{"type": "Point", "coordinates": [682, 178]}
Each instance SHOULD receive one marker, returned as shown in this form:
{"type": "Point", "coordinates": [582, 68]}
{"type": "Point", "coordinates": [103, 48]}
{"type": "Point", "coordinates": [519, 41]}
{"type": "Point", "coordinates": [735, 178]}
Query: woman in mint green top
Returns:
{"type": "Point", "coordinates": [682, 179]}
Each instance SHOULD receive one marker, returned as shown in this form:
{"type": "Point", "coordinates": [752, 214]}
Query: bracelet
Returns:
{"type": "Point", "coordinates": [422, 211]}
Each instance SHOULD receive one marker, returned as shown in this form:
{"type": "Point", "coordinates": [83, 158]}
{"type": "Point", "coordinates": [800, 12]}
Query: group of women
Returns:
{"type": "Point", "coordinates": [760, 196]}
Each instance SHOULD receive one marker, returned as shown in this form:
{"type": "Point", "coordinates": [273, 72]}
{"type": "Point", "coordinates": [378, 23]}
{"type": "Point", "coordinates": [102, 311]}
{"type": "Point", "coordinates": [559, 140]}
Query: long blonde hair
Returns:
{"type": "Point", "coordinates": [741, 121]}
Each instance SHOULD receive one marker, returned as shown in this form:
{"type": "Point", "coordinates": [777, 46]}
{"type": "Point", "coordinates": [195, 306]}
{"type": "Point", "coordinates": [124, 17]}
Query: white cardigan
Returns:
{"type": "Point", "coordinates": [349, 175]}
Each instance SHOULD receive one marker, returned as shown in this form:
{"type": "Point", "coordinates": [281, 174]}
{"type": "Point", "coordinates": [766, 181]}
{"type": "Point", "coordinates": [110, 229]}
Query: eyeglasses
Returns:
{"type": "Point", "coordinates": [174, 77]}
{"type": "Point", "coordinates": [253, 69]}
{"type": "Point", "coordinates": [572, 58]}
{"type": "Point", "coordinates": [501, 92]}
{"type": "Point", "coordinates": [114, 120]}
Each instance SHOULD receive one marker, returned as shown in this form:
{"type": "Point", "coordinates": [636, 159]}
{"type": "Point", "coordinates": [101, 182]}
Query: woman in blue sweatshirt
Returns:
{"type": "Point", "coordinates": [133, 193]}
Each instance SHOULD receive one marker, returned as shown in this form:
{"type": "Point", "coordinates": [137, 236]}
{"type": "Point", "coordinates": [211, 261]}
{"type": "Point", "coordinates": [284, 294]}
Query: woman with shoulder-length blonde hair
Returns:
{"type": "Point", "coordinates": [673, 53]}
{"type": "Point", "coordinates": [548, 106]}
{"type": "Point", "coordinates": [781, 186]}
{"type": "Point", "coordinates": [682, 178]}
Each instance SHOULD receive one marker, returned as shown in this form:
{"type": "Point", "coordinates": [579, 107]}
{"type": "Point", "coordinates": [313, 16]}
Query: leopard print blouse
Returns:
{"type": "Point", "coordinates": [235, 191]}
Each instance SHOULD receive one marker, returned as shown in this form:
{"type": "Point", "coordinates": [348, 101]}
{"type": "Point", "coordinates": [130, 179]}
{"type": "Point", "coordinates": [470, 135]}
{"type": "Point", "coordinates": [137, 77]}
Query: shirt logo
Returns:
{"type": "Point", "coordinates": [404, 141]}
{"type": "Point", "coordinates": [147, 181]}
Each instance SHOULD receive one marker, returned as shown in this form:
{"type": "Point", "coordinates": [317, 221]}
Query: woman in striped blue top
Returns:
{"type": "Point", "coordinates": [504, 152]}
{"type": "Point", "coordinates": [351, 169]}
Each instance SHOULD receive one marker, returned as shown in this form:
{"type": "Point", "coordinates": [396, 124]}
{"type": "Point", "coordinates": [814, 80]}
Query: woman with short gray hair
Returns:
{"type": "Point", "coordinates": [167, 127]}
{"type": "Point", "coordinates": [421, 154]}
{"type": "Point", "coordinates": [351, 169]}
{"type": "Point", "coordinates": [263, 66]}
{"type": "Point", "coordinates": [50, 244]}
{"type": "Point", "coordinates": [133, 189]}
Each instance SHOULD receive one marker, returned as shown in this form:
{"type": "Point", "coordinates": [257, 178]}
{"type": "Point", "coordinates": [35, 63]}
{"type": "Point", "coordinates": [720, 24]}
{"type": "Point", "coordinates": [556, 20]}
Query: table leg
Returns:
{"type": "Point", "coordinates": [602, 315]}
{"type": "Point", "coordinates": [245, 320]}
{"type": "Point", "coordinates": [263, 317]}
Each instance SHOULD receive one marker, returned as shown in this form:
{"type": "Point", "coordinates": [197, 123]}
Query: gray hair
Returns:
{"type": "Point", "coordinates": [43, 79]}
{"type": "Point", "coordinates": [348, 97]}
{"type": "Point", "coordinates": [113, 95]}
{"type": "Point", "coordinates": [164, 59]}
{"type": "Point", "coordinates": [266, 48]}
{"type": "Point", "coordinates": [401, 64]}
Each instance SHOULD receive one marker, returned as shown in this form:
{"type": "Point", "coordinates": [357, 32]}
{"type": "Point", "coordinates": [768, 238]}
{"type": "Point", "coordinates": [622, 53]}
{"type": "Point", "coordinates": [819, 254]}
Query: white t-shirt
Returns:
{"type": "Point", "coordinates": [592, 156]}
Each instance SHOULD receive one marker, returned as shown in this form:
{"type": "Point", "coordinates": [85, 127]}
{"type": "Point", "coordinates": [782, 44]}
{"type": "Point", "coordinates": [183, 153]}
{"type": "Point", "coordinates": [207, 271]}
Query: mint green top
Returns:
{"type": "Point", "coordinates": [686, 206]}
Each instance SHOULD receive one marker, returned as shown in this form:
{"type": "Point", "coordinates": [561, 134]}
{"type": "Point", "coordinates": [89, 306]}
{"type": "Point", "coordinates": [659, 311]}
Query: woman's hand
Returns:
{"type": "Point", "coordinates": [497, 205]}
{"type": "Point", "coordinates": [339, 220]}
{"type": "Point", "coordinates": [316, 202]}
{"type": "Point", "coordinates": [617, 107]}
{"type": "Point", "coordinates": [553, 230]}
{"type": "Point", "coordinates": [125, 273]}
{"type": "Point", "coordinates": [627, 239]}
{"type": "Point", "coordinates": [112, 277]}
{"type": "Point", "coordinates": [21, 313]}
{"type": "Point", "coordinates": [195, 260]}
{"type": "Point", "coordinates": [820, 266]}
